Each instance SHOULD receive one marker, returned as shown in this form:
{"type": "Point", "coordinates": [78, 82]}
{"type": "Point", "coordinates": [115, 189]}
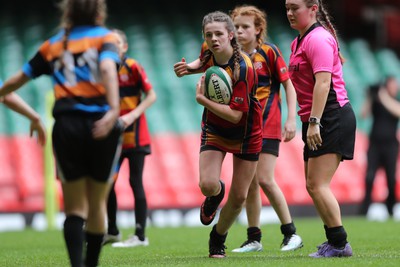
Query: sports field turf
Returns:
{"type": "Point", "coordinates": [374, 244]}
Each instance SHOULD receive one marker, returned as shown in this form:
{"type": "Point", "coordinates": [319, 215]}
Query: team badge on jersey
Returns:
{"type": "Point", "coordinates": [124, 77]}
{"type": "Point", "coordinates": [238, 100]}
{"type": "Point", "coordinates": [257, 65]}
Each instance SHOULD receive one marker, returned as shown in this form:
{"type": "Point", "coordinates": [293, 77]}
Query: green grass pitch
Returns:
{"type": "Point", "coordinates": [374, 244]}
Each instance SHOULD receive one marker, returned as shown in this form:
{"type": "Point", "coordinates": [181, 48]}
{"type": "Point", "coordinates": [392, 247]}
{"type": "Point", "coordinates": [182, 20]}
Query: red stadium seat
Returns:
{"type": "Point", "coordinates": [7, 173]}
{"type": "Point", "coordinates": [171, 175]}
{"type": "Point", "coordinates": [29, 175]}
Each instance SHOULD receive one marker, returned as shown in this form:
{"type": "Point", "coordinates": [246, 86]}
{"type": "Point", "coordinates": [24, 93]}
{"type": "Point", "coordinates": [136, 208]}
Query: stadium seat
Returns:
{"type": "Point", "coordinates": [364, 60]}
{"type": "Point", "coordinates": [9, 199]}
{"type": "Point", "coordinates": [388, 62]}
{"type": "Point", "coordinates": [289, 172]}
{"type": "Point", "coordinates": [157, 41]}
{"type": "Point", "coordinates": [28, 156]}
{"type": "Point", "coordinates": [7, 173]}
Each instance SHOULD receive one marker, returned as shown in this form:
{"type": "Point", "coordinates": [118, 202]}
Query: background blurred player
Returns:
{"type": "Point", "coordinates": [133, 83]}
{"type": "Point", "coordinates": [251, 27]}
{"type": "Point", "coordinates": [383, 147]}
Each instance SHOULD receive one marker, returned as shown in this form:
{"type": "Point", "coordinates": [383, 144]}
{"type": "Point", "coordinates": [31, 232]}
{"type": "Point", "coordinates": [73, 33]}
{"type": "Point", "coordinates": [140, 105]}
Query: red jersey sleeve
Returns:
{"type": "Point", "coordinates": [141, 75]}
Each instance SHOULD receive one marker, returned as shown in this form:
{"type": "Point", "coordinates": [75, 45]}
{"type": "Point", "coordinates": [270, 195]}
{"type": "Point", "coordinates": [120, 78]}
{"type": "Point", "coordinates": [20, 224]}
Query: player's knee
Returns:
{"type": "Point", "coordinates": [209, 187]}
{"type": "Point", "coordinates": [267, 184]}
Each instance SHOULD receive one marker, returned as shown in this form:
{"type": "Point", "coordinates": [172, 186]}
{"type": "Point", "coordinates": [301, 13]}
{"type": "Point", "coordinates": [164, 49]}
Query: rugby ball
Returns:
{"type": "Point", "coordinates": [218, 85]}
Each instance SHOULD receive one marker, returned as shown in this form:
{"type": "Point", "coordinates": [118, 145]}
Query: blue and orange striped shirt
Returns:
{"type": "Point", "coordinates": [75, 72]}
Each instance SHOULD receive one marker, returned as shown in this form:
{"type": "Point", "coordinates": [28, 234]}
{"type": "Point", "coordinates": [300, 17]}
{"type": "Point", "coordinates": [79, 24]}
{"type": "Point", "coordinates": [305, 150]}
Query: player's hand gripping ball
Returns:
{"type": "Point", "coordinates": [218, 85]}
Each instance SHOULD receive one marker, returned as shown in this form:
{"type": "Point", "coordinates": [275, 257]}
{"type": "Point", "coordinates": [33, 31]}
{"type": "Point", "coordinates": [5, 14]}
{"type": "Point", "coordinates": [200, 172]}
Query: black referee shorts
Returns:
{"type": "Point", "coordinates": [338, 134]}
{"type": "Point", "coordinates": [78, 154]}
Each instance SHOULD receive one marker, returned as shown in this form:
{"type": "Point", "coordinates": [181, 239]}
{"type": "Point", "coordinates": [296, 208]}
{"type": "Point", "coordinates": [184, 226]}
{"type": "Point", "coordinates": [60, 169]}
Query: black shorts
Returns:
{"type": "Point", "coordinates": [249, 156]}
{"type": "Point", "coordinates": [338, 134]}
{"type": "Point", "coordinates": [78, 154]}
{"type": "Point", "coordinates": [270, 146]}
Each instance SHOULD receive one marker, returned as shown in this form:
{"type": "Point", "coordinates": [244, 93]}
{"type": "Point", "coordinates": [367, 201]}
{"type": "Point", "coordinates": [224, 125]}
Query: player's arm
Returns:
{"type": "Point", "coordinates": [14, 83]}
{"type": "Point", "coordinates": [320, 95]}
{"type": "Point", "coordinates": [14, 102]}
{"type": "Point", "coordinates": [221, 110]}
{"type": "Point", "coordinates": [181, 67]}
{"type": "Point", "coordinates": [17, 104]}
{"type": "Point", "coordinates": [390, 103]}
{"type": "Point", "coordinates": [289, 128]}
{"type": "Point", "coordinates": [132, 116]}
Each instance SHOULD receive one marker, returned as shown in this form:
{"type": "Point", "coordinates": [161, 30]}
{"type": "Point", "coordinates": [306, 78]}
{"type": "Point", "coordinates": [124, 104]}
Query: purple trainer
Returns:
{"type": "Point", "coordinates": [327, 250]}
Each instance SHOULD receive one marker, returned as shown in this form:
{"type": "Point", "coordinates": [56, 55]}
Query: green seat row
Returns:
{"type": "Point", "coordinates": [157, 45]}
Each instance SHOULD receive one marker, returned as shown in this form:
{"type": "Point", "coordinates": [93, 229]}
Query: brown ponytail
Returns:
{"type": "Point", "coordinates": [324, 18]}
{"type": "Point", "coordinates": [236, 59]}
{"type": "Point", "coordinates": [67, 31]}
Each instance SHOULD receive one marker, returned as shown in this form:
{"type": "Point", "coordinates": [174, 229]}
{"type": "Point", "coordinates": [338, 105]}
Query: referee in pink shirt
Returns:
{"type": "Point", "coordinates": [329, 123]}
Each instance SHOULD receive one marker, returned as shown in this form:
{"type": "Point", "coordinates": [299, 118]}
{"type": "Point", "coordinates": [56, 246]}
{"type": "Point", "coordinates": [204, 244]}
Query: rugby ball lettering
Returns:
{"type": "Point", "coordinates": [218, 85]}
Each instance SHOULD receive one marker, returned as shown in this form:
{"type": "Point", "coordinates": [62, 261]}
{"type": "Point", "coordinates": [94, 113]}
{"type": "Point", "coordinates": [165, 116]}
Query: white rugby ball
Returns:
{"type": "Point", "coordinates": [218, 85]}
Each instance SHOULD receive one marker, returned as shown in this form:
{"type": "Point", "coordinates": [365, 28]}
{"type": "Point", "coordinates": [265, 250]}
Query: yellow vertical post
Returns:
{"type": "Point", "coordinates": [51, 200]}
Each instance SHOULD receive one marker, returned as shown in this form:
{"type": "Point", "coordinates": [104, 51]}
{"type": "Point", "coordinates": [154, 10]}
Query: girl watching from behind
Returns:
{"type": "Point", "coordinates": [81, 60]}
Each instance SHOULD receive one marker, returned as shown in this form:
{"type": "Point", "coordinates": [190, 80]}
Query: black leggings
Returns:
{"type": "Point", "coordinates": [136, 165]}
{"type": "Point", "coordinates": [381, 155]}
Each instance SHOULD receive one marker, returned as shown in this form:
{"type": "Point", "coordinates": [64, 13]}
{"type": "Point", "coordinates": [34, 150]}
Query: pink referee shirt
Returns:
{"type": "Point", "coordinates": [316, 51]}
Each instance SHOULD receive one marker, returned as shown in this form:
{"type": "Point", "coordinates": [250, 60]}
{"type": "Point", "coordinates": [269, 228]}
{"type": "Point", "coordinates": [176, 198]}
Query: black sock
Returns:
{"type": "Point", "coordinates": [73, 235]}
{"type": "Point", "coordinates": [112, 213]}
{"type": "Point", "coordinates": [326, 231]}
{"type": "Point", "coordinates": [336, 236]}
{"type": "Point", "coordinates": [140, 216]}
{"type": "Point", "coordinates": [288, 229]}
{"type": "Point", "coordinates": [254, 233]}
{"type": "Point", "coordinates": [216, 238]}
{"type": "Point", "coordinates": [93, 249]}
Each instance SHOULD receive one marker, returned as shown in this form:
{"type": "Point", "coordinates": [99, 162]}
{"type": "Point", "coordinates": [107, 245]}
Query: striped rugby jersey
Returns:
{"type": "Point", "coordinates": [76, 78]}
{"type": "Point", "coordinates": [245, 136]}
{"type": "Point", "coordinates": [271, 71]}
{"type": "Point", "coordinates": [133, 82]}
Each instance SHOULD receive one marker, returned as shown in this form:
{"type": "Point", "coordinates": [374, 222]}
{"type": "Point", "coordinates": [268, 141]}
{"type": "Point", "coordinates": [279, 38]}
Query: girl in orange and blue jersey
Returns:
{"type": "Point", "coordinates": [81, 60]}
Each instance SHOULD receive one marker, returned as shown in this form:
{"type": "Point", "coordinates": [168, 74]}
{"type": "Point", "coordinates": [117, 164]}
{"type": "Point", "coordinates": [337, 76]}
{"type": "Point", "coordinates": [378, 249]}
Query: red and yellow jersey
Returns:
{"type": "Point", "coordinates": [245, 136]}
{"type": "Point", "coordinates": [133, 82]}
{"type": "Point", "coordinates": [271, 72]}
{"type": "Point", "coordinates": [75, 71]}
